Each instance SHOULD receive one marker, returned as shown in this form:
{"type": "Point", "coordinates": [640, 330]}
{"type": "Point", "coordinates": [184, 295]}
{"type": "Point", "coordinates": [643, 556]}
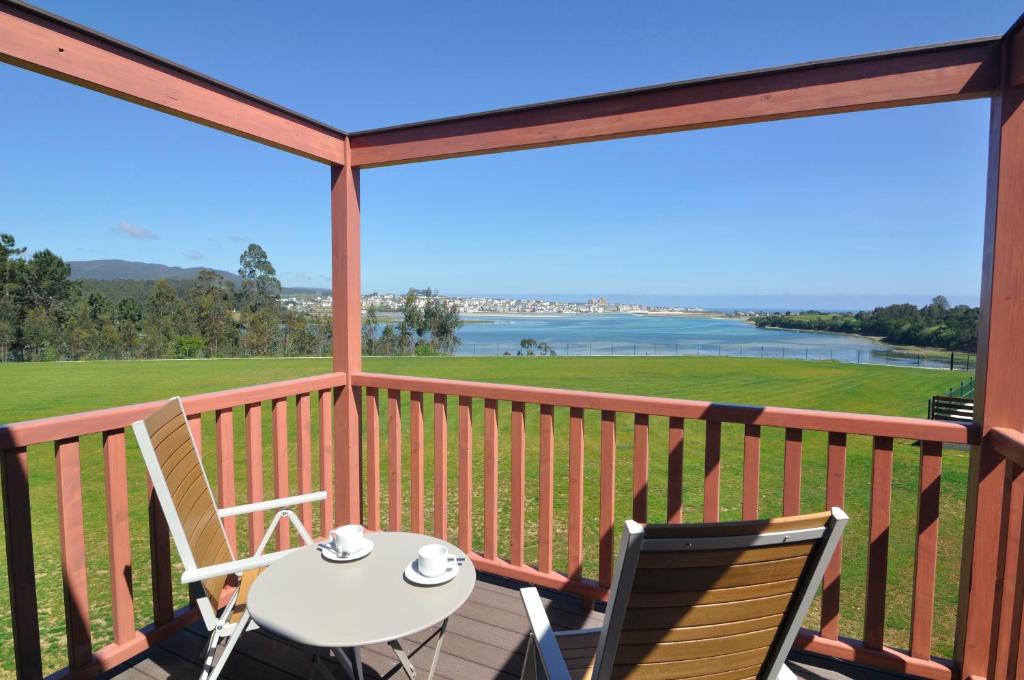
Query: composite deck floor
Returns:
{"type": "Point", "coordinates": [486, 640]}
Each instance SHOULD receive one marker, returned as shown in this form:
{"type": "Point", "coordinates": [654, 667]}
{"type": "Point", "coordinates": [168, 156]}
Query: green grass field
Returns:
{"type": "Point", "coordinates": [39, 390]}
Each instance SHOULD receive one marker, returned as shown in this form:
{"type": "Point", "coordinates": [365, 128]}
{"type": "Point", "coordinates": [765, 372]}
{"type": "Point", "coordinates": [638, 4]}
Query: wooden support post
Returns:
{"type": "Point", "coordinates": [346, 328]}
{"type": "Point", "coordinates": [999, 401]}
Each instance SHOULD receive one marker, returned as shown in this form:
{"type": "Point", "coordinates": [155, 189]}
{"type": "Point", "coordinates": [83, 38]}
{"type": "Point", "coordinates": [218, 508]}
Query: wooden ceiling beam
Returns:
{"type": "Point", "coordinates": [53, 46]}
{"type": "Point", "coordinates": [917, 76]}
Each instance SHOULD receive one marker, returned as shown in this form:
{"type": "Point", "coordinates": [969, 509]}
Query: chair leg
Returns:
{"type": "Point", "coordinates": [240, 627]}
{"type": "Point", "coordinates": [209, 653]}
{"type": "Point", "coordinates": [529, 661]}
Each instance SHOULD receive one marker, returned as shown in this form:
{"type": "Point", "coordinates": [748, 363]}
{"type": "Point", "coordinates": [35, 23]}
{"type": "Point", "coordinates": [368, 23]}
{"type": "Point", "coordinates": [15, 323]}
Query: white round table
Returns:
{"type": "Point", "coordinates": [306, 598]}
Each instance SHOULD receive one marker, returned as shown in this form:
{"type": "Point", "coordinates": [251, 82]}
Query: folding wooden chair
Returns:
{"type": "Point", "coordinates": [197, 527]}
{"type": "Point", "coordinates": [696, 601]}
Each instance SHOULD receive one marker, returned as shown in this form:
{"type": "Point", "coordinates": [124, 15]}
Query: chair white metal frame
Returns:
{"type": "Point", "coordinates": [721, 601]}
{"type": "Point", "coordinates": [197, 527]}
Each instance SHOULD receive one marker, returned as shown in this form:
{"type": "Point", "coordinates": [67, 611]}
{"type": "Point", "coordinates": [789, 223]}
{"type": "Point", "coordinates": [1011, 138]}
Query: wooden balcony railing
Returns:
{"type": "Point", "coordinates": [66, 434]}
{"type": "Point", "coordinates": [480, 536]}
{"type": "Point", "coordinates": [503, 517]}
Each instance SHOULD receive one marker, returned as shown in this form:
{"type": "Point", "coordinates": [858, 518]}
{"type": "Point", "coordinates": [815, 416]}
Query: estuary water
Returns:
{"type": "Point", "coordinates": [655, 335]}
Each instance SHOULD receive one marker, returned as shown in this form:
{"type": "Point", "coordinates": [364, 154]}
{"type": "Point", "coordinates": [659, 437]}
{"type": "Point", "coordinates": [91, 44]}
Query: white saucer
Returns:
{"type": "Point", "coordinates": [413, 575]}
{"type": "Point", "coordinates": [328, 552]}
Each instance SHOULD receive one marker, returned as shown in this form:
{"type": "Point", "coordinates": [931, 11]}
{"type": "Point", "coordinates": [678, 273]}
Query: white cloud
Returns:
{"type": "Point", "coordinates": [134, 231]}
{"type": "Point", "coordinates": [193, 254]}
{"type": "Point", "coordinates": [235, 238]}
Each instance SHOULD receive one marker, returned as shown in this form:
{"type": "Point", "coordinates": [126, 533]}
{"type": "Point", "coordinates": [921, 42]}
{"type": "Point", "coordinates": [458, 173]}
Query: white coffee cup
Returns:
{"type": "Point", "coordinates": [433, 559]}
{"type": "Point", "coordinates": [347, 539]}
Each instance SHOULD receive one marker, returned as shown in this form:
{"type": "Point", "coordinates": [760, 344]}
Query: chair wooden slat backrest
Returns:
{"type": "Point", "coordinates": [717, 601]}
{"type": "Point", "coordinates": [184, 492]}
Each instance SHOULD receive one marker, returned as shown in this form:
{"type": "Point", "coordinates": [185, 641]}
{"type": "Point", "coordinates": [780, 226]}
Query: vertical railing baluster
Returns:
{"type": "Point", "coordinates": [641, 458]}
{"type": "Point", "coordinates": [21, 573]}
{"type": "Point", "coordinates": [225, 443]}
{"type": "Point", "coordinates": [119, 548]}
{"type": "Point", "coordinates": [466, 474]}
{"type": "Point", "coordinates": [835, 494]}
{"type": "Point", "coordinates": [441, 466]}
{"type": "Point", "coordinates": [417, 503]}
{"type": "Point", "coordinates": [517, 482]}
{"type": "Point", "coordinates": [751, 471]}
{"type": "Point", "coordinates": [546, 489]}
{"type": "Point", "coordinates": [325, 439]}
{"type": "Point", "coordinates": [394, 460]}
{"type": "Point", "coordinates": [304, 455]}
{"type": "Point", "coordinates": [793, 460]}
{"type": "Point", "coordinates": [372, 418]}
{"type": "Point", "coordinates": [575, 532]}
{"type": "Point", "coordinates": [254, 473]}
{"type": "Point", "coordinates": [279, 434]}
{"type": "Point", "coordinates": [71, 527]}
{"type": "Point", "coordinates": [490, 479]}
{"type": "Point", "coordinates": [878, 543]}
{"type": "Point", "coordinates": [676, 434]}
{"type": "Point", "coordinates": [712, 470]}
{"type": "Point", "coordinates": [1012, 600]}
{"type": "Point", "coordinates": [160, 560]}
{"type": "Point", "coordinates": [926, 555]}
{"type": "Point", "coordinates": [606, 550]}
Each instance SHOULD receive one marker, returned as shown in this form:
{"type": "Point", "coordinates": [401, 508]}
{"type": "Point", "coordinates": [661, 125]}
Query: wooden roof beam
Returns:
{"type": "Point", "coordinates": [48, 44]}
{"type": "Point", "coordinates": [916, 76]}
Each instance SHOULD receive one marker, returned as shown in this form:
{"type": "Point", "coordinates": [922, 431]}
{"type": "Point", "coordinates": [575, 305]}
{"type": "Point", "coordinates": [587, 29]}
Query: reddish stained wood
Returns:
{"type": "Point", "coordinates": [712, 470]}
{"type": "Point", "coordinates": [119, 549]}
{"type": "Point", "coordinates": [304, 455]}
{"type": "Point", "coordinates": [792, 472]}
{"type": "Point", "coordinates": [160, 561]}
{"type": "Point", "coordinates": [394, 460]}
{"type": "Point", "coordinates": [45, 430]}
{"type": "Point", "coordinates": [751, 471]}
{"type": "Point", "coordinates": [346, 333]}
{"type": "Point", "coordinates": [932, 74]}
{"type": "Point", "coordinates": [51, 46]}
{"type": "Point", "coordinates": [279, 433]}
{"type": "Point", "coordinates": [641, 459]}
{"type": "Point", "coordinates": [324, 439]}
{"type": "Point", "coordinates": [676, 434]}
{"type": "Point", "coordinates": [878, 543]}
{"type": "Point", "coordinates": [195, 425]}
{"type": "Point", "coordinates": [546, 489]}
{"type": "Point", "coordinates": [416, 499]}
{"type": "Point", "coordinates": [1009, 443]}
{"type": "Point", "coordinates": [490, 479]}
{"type": "Point", "coordinates": [835, 495]}
{"type": "Point", "coordinates": [517, 483]}
{"type": "Point", "coordinates": [21, 573]}
{"type": "Point", "coordinates": [441, 466]}
{"type": "Point", "coordinates": [606, 519]}
{"type": "Point", "coordinates": [1009, 627]}
{"type": "Point", "coordinates": [886, 659]}
{"type": "Point", "coordinates": [254, 473]}
{"type": "Point", "coordinates": [225, 442]}
{"type": "Point", "coordinates": [765, 416]}
{"type": "Point", "coordinates": [1000, 372]}
{"type": "Point", "coordinates": [575, 532]}
{"type": "Point", "coordinates": [71, 528]}
{"type": "Point", "coordinates": [466, 474]}
{"type": "Point", "coordinates": [372, 416]}
{"type": "Point", "coordinates": [926, 556]}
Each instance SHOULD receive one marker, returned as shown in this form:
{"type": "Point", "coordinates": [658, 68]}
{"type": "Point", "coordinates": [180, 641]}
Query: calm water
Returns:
{"type": "Point", "coordinates": [628, 334]}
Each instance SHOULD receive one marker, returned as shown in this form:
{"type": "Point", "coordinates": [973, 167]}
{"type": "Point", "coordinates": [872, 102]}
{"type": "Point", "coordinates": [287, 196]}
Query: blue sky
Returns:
{"type": "Point", "coordinates": [886, 204]}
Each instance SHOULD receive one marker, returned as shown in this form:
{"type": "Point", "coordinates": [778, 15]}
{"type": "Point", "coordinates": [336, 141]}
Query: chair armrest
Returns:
{"type": "Point", "coordinates": [272, 504]}
{"type": "Point", "coordinates": [236, 567]}
{"type": "Point", "coordinates": [548, 651]}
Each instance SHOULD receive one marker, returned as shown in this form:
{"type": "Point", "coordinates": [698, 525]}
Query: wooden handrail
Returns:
{"type": "Point", "coordinates": [1009, 443]}
{"type": "Point", "coordinates": [42, 430]}
{"type": "Point", "coordinates": [771, 416]}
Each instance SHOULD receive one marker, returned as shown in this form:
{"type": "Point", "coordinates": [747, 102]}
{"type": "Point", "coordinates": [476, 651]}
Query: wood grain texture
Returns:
{"type": "Point", "coordinates": [325, 437]}
{"type": "Point", "coordinates": [371, 413]}
{"type": "Point", "coordinates": [254, 473]}
{"type": "Point", "coordinates": [119, 553]}
{"type": "Point", "coordinates": [490, 479]}
{"type": "Point", "coordinates": [878, 543]}
{"type": "Point", "coordinates": [574, 538]}
{"type": "Point", "coordinates": [71, 528]}
{"type": "Point", "coordinates": [21, 573]}
{"type": "Point", "coordinates": [751, 471]}
{"type": "Point", "coordinates": [279, 444]}
{"type": "Point", "coordinates": [517, 483]}
{"type": "Point", "coordinates": [466, 474]}
{"type": "Point", "coordinates": [944, 73]}
{"type": "Point", "coordinates": [394, 460]}
{"type": "Point", "coordinates": [546, 489]}
{"type": "Point", "coordinates": [416, 497]}
{"type": "Point", "coordinates": [304, 455]}
{"type": "Point", "coordinates": [225, 445]}
{"type": "Point", "coordinates": [441, 466]}
{"type": "Point", "coordinates": [926, 553]}
{"type": "Point", "coordinates": [793, 461]}
{"type": "Point", "coordinates": [835, 497]}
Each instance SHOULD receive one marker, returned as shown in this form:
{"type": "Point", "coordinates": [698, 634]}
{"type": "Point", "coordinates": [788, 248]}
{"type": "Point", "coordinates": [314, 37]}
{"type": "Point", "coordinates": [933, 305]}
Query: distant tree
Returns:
{"type": "Point", "coordinates": [261, 334]}
{"type": "Point", "coordinates": [441, 319]}
{"type": "Point", "coordinates": [368, 340]}
{"type": "Point", "coordinates": [41, 335]}
{"type": "Point", "coordinates": [128, 326]}
{"type": "Point", "coordinates": [163, 321]}
{"type": "Point", "coordinates": [45, 281]}
{"type": "Point", "coordinates": [210, 303]}
{"type": "Point", "coordinates": [260, 285]}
